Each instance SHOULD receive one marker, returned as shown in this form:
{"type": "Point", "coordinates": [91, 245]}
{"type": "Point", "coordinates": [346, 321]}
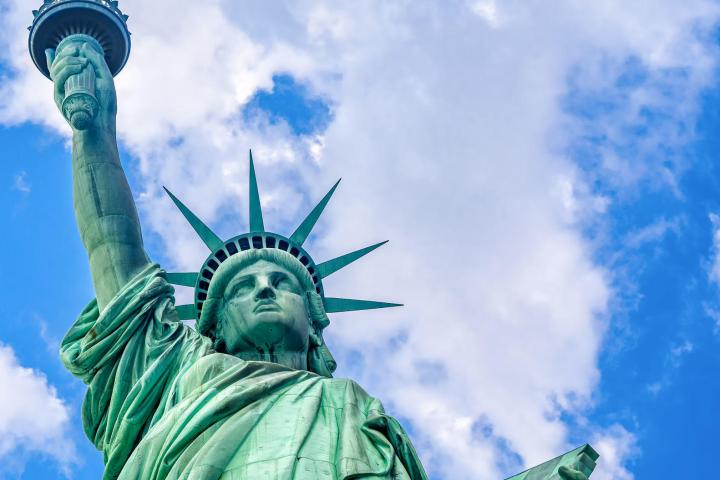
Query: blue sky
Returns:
{"type": "Point", "coordinates": [659, 365]}
{"type": "Point", "coordinates": [548, 181]}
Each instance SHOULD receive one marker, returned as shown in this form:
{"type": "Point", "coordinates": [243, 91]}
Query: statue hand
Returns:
{"type": "Point", "coordinates": [581, 469]}
{"type": "Point", "coordinates": [571, 474]}
{"type": "Point", "coordinates": [72, 61]}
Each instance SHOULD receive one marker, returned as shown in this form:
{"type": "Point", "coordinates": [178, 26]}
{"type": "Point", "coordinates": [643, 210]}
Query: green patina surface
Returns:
{"type": "Point", "coordinates": [163, 403]}
{"type": "Point", "coordinates": [582, 460]}
{"type": "Point", "coordinates": [252, 398]}
{"type": "Point", "coordinates": [249, 393]}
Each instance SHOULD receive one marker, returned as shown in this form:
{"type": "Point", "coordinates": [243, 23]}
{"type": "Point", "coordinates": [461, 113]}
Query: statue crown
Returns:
{"type": "Point", "coordinates": [259, 238]}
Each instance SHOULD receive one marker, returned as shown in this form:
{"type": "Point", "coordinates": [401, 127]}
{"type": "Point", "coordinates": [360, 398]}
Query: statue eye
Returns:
{"type": "Point", "coordinates": [282, 282]}
{"type": "Point", "coordinates": [242, 288]}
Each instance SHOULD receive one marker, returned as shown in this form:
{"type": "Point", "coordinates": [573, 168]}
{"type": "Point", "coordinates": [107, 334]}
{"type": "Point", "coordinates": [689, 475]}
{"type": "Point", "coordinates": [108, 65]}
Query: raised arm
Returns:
{"type": "Point", "coordinates": [104, 206]}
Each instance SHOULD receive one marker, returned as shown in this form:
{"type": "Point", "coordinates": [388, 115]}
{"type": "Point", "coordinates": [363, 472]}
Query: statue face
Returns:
{"type": "Point", "coordinates": [265, 311]}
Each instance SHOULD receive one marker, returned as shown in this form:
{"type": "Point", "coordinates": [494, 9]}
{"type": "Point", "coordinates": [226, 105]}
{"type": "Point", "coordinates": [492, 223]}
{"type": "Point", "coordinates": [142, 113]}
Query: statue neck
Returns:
{"type": "Point", "coordinates": [295, 360]}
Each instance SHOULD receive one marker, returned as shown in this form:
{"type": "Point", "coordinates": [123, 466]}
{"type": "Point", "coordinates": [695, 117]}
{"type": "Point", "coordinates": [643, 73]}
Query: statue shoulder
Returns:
{"type": "Point", "coordinates": [344, 392]}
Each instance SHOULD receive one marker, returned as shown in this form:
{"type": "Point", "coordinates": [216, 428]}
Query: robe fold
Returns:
{"type": "Point", "coordinates": [161, 404]}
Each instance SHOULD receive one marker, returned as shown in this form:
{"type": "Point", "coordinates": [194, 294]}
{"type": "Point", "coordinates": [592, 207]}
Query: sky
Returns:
{"type": "Point", "coordinates": [546, 176]}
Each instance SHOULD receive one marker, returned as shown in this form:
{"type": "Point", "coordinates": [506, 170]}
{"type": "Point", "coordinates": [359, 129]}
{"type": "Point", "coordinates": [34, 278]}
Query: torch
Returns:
{"type": "Point", "coordinates": [63, 24]}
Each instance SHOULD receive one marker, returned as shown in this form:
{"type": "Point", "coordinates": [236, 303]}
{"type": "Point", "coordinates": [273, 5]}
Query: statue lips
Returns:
{"type": "Point", "coordinates": [266, 306]}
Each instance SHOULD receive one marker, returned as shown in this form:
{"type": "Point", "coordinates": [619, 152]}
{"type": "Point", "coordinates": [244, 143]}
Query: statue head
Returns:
{"type": "Point", "coordinates": [262, 292]}
{"type": "Point", "coordinates": [265, 300]}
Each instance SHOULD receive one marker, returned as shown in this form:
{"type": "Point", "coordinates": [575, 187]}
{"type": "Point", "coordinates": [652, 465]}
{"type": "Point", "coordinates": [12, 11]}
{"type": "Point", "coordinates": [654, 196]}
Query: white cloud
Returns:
{"type": "Point", "coordinates": [616, 447]}
{"type": "Point", "coordinates": [678, 351]}
{"type": "Point", "coordinates": [450, 131]}
{"type": "Point", "coordinates": [654, 232]}
{"type": "Point", "coordinates": [33, 420]}
{"type": "Point", "coordinates": [714, 314]}
{"type": "Point", "coordinates": [673, 361]}
{"type": "Point", "coordinates": [714, 272]}
{"type": "Point", "coordinates": [20, 183]}
{"type": "Point", "coordinates": [487, 10]}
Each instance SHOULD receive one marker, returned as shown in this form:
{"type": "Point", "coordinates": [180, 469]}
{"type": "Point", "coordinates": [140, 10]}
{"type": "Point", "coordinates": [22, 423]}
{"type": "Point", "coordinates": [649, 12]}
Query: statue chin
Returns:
{"type": "Point", "coordinates": [270, 331]}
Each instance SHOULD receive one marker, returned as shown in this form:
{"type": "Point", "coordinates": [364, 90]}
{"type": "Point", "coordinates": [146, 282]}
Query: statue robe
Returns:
{"type": "Point", "coordinates": [161, 404]}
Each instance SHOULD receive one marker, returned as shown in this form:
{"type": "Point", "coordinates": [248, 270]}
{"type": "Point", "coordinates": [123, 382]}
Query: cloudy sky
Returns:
{"type": "Point", "coordinates": [545, 171]}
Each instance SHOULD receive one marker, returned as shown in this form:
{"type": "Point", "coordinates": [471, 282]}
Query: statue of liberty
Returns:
{"type": "Point", "coordinates": [246, 394]}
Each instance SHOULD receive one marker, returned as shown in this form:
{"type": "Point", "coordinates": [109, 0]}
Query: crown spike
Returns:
{"type": "Point", "coordinates": [256, 216]}
{"type": "Point", "coordinates": [302, 232]}
{"type": "Point", "coordinates": [188, 279]}
{"type": "Point", "coordinates": [336, 305]}
{"type": "Point", "coordinates": [186, 312]}
{"type": "Point", "coordinates": [208, 237]}
{"type": "Point", "coordinates": [326, 269]}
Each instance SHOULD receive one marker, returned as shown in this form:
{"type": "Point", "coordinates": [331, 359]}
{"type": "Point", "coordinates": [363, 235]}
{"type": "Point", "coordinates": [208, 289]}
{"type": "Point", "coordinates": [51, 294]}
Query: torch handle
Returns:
{"type": "Point", "coordinates": [80, 105]}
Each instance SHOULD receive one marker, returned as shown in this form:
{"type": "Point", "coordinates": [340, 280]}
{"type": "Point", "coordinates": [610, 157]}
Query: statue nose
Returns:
{"type": "Point", "coordinates": [266, 291]}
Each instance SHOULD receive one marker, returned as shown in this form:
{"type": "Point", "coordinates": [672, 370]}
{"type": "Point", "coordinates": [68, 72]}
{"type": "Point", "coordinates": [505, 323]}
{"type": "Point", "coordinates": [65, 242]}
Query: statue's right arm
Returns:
{"type": "Point", "coordinates": [104, 207]}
